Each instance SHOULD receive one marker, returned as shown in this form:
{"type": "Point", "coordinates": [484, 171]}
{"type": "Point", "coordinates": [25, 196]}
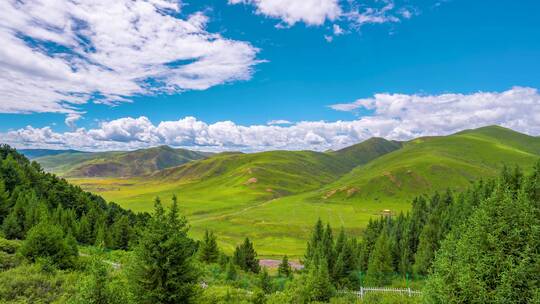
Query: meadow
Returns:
{"type": "Point", "coordinates": [275, 197]}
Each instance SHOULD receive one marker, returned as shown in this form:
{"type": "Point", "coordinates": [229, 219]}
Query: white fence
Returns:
{"type": "Point", "coordinates": [402, 291]}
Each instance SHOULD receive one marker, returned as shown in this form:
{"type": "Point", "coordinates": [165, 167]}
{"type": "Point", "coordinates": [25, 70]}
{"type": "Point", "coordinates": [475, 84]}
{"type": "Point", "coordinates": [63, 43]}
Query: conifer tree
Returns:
{"type": "Point", "coordinates": [264, 281]}
{"type": "Point", "coordinates": [284, 269]}
{"type": "Point", "coordinates": [209, 251]}
{"type": "Point", "coordinates": [163, 270]}
{"type": "Point", "coordinates": [4, 201]}
{"type": "Point", "coordinates": [230, 271]}
{"type": "Point", "coordinates": [245, 257]}
{"type": "Point", "coordinates": [84, 230]}
{"type": "Point", "coordinates": [318, 283]}
{"type": "Point", "coordinates": [100, 238]}
{"type": "Point", "coordinates": [327, 244]}
{"type": "Point", "coordinates": [121, 233]}
{"type": "Point", "coordinates": [313, 243]}
{"type": "Point", "coordinates": [380, 262]}
{"type": "Point", "coordinates": [493, 257]}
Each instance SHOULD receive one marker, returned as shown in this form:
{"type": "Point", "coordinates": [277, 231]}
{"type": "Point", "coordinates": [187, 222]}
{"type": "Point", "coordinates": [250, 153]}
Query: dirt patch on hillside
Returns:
{"type": "Point", "coordinates": [351, 191]}
{"type": "Point", "coordinates": [252, 180]}
{"type": "Point", "coordinates": [393, 179]}
{"type": "Point", "coordinates": [329, 194]}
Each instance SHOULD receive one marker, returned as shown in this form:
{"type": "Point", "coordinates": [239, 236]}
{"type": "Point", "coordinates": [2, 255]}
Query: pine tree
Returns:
{"type": "Point", "coordinates": [313, 243]}
{"type": "Point", "coordinates": [245, 257]}
{"type": "Point", "coordinates": [319, 285]}
{"type": "Point", "coordinates": [15, 225]}
{"type": "Point", "coordinates": [100, 238]}
{"type": "Point", "coordinates": [84, 230]}
{"type": "Point", "coordinates": [264, 281]}
{"type": "Point", "coordinates": [493, 257]}
{"type": "Point", "coordinates": [163, 269]}
{"type": "Point", "coordinates": [328, 247]}
{"type": "Point", "coordinates": [380, 262]}
{"type": "Point", "coordinates": [121, 233]}
{"type": "Point", "coordinates": [284, 269]}
{"type": "Point", "coordinates": [209, 251]}
{"type": "Point", "coordinates": [5, 203]}
{"type": "Point", "coordinates": [230, 271]}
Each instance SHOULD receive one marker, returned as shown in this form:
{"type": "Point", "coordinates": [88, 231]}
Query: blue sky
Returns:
{"type": "Point", "coordinates": [296, 73]}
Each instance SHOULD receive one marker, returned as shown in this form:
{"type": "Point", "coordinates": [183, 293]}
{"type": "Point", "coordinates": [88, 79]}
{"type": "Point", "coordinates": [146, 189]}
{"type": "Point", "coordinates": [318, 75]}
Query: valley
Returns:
{"type": "Point", "coordinates": [275, 197]}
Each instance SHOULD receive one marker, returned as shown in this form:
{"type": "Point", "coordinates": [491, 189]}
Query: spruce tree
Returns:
{"type": "Point", "coordinates": [284, 269]}
{"type": "Point", "coordinates": [209, 251]}
{"type": "Point", "coordinates": [313, 243]}
{"type": "Point", "coordinates": [230, 271]}
{"type": "Point", "coordinates": [493, 257]}
{"type": "Point", "coordinates": [245, 257]}
{"type": "Point", "coordinates": [380, 262]}
{"type": "Point", "coordinates": [264, 281]}
{"type": "Point", "coordinates": [318, 283]}
{"type": "Point", "coordinates": [121, 233]}
{"type": "Point", "coordinates": [163, 270]}
{"type": "Point", "coordinates": [5, 203]}
{"type": "Point", "coordinates": [84, 230]}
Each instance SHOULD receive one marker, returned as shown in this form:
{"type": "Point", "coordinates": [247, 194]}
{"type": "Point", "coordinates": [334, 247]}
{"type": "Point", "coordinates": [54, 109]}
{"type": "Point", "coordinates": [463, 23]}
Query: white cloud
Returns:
{"type": "Point", "coordinates": [337, 30]}
{"type": "Point", "coordinates": [278, 122]}
{"type": "Point", "coordinates": [71, 119]}
{"type": "Point", "coordinates": [361, 16]}
{"type": "Point", "coordinates": [311, 12]}
{"type": "Point", "coordinates": [59, 54]}
{"type": "Point", "coordinates": [394, 116]}
{"type": "Point", "coordinates": [352, 13]}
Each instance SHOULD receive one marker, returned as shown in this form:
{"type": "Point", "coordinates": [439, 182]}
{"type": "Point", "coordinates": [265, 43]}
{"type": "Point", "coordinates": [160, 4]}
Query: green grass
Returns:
{"type": "Point", "coordinates": [117, 164]}
{"type": "Point", "coordinates": [275, 197]}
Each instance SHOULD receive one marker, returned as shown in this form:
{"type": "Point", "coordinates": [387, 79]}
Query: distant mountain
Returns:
{"type": "Point", "coordinates": [35, 153]}
{"type": "Point", "coordinates": [118, 164]}
{"type": "Point", "coordinates": [429, 164]}
{"type": "Point", "coordinates": [367, 151]}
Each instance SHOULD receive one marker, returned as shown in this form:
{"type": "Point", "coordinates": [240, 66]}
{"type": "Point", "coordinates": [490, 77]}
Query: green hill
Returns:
{"type": "Point", "coordinates": [35, 153]}
{"type": "Point", "coordinates": [431, 164]}
{"type": "Point", "coordinates": [118, 164]}
{"type": "Point", "coordinates": [274, 197]}
{"type": "Point", "coordinates": [367, 151]}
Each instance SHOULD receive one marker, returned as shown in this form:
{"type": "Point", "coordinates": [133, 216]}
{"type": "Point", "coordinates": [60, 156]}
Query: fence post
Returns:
{"type": "Point", "coordinates": [362, 292]}
{"type": "Point", "coordinates": [409, 290]}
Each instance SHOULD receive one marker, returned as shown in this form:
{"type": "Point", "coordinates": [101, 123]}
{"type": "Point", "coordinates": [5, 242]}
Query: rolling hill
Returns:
{"type": "Point", "coordinates": [117, 164]}
{"type": "Point", "coordinates": [275, 197]}
{"type": "Point", "coordinates": [35, 153]}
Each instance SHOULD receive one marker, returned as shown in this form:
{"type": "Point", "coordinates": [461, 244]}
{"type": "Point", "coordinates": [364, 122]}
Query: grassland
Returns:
{"type": "Point", "coordinates": [275, 197]}
{"type": "Point", "coordinates": [117, 163]}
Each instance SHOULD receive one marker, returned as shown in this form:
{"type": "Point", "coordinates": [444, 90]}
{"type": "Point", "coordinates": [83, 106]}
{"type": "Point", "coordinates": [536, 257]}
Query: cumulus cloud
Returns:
{"type": "Point", "coordinates": [59, 54]}
{"type": "Point", "coordinates": [311, 12]}
{"type": "Point", "coordinates": [394, 116]}
{"type": "Point", "coordinates": [353, 13]}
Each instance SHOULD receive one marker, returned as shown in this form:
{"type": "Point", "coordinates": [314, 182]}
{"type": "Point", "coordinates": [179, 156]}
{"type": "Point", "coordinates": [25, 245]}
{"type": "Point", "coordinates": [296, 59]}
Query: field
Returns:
{"type": "Point", "coordinates": [275, 197]}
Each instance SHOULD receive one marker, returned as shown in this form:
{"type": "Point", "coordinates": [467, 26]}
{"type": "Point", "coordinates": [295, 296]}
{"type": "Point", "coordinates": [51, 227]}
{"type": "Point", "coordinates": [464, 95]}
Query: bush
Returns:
{"type": "Point", "coordinates": [224, 294]}
{"type": "Point", "coordinates": [46, 241]}
{"type": "Point", "coordinates": [29, 284]}
{"type": "Point", "coordinates": [9, 246]}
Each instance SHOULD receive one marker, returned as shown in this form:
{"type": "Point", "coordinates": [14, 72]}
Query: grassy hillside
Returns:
{"type": "Point", "coordinates": [433, 164]}
{"type": "Point", "coordinates": [275, 197]}
{"type": "Point", "coordinates": [35, 153]}
{"type": "Point", "coordinates": [118, 164]}
{"type": "Point", "coordinates": [367, 151]}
